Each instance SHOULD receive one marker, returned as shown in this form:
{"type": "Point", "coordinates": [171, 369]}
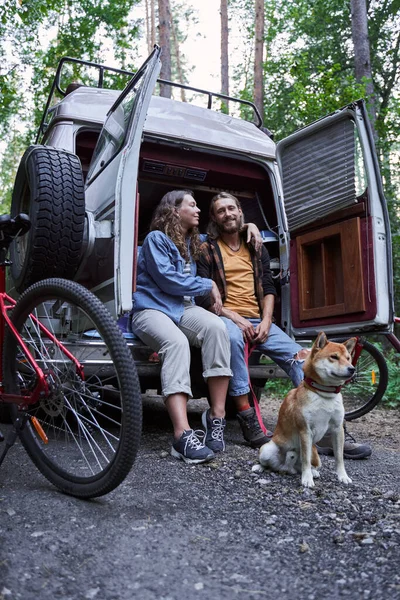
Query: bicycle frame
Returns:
{"type": "Point", "coordinates": [393, 339]}
{"type": "Point", "coordinates": [42, 387]}
{"type": "Point", "coordinates": [357, 351]}
{"type": "Point", "coordinates": [71, 380]}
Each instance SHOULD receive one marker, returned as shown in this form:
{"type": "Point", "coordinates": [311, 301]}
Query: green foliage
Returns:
{"type": "Point", "coordinates": [278, 388]}
{"type": "Point", "coordinates": [10, 98]}
{"type": "Point", "coordinates": [309, 72]}
{"type": "Point", "coordinates": [308, 69]}
{"type": "Point", "coordinates": [183, 16]}
{"type": "Point", "coordinates": [396, 274]}
{"type": "Point", "coordinates": [391, 399]}
{"type": "Point", "coordinates": [85, 30]}
{"type": "Point", "coordinates": [34, 35]}
{"type": "Point", "coordinates": [8, 168]}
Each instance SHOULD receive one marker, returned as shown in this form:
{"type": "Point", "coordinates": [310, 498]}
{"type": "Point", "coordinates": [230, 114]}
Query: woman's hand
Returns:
{"type": "Point", "coordinates": [216, 299]}
{"type": "Point", "coordinates": [254, 236]}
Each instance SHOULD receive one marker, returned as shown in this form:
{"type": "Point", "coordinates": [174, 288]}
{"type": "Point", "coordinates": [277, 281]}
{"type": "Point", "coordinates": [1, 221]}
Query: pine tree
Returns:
{"type": "Point", "coordinates": [362, 54]}
{"type": "Point", "coordinates": [164, 34]}
{"type": "Point", "coordinates": [258, 56]}
{"type": "Point", "coordinates": [224, 53]}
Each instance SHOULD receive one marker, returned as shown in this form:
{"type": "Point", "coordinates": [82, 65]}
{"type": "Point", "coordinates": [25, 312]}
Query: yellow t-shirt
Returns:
{"type": "Point", "coordinates": [239, 274]}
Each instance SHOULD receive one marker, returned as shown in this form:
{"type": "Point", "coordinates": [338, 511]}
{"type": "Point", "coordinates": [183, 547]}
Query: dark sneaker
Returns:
{"type": "Point", "coordinates": [351, 448]}
{"type": "Point", "coordinates": [190, 449]}
{"type": "Point", "coordinates": [214, 427]}
{"type": "Point", "coordinates": [251, 428]}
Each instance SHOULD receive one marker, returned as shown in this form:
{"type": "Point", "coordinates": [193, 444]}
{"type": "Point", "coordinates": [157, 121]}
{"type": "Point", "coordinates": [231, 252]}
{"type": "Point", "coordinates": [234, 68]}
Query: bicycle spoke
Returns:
{"type": "Point", "coordinates": [70, 357]}
{"type": "Point", "coordinates": [74, 410]}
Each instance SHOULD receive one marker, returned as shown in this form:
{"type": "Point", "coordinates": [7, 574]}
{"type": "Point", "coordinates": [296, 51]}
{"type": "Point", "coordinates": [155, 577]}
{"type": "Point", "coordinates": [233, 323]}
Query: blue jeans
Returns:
{"type": "Point", "coordinates": [278, 346]}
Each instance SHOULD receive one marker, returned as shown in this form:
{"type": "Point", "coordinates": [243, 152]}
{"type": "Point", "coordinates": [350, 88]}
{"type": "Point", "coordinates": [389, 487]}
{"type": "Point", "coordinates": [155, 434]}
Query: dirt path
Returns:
{"type": "Point", "coordinates": [174, 531]}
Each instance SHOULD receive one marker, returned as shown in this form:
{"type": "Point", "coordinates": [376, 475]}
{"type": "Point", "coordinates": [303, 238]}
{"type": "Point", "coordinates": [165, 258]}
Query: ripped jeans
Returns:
{"type": "Point", "coordinates": [278, 346]}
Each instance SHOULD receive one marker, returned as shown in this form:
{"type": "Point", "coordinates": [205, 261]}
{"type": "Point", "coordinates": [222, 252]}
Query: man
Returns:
{"type": "Point", "coordinates": [248, 294]}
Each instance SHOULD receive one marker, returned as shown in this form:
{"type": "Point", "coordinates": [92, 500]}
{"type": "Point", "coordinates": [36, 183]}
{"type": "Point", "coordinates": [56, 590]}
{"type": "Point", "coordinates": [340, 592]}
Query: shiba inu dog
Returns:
{"type": "Point", "coordinates": [314, 408]}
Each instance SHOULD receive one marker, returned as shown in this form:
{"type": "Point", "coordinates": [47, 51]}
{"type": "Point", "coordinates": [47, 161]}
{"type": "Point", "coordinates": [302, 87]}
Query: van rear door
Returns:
{"type": "Point", "coordinates": [340, 277]}
{"type": "Point", "coordinates": [111, 193]}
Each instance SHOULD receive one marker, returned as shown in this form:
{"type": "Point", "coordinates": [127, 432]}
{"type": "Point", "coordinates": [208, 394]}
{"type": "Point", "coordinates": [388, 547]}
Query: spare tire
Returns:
{"type": "Point", "coordinates": [49, 187]}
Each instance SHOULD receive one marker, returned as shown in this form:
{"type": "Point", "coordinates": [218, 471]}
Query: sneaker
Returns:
{"type": "Point", "coordinates": [251, 428]}
{"type": "Point", "coordinates": [351, 448]}
{"type": "Point", "coordinates": [190, 449]}
{"type": "Point", "coordinates": [214, 431]}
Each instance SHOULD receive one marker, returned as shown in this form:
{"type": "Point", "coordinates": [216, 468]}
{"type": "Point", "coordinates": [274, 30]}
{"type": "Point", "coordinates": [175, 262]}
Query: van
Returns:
{"type": "Point", "coordinates": [316, 197]}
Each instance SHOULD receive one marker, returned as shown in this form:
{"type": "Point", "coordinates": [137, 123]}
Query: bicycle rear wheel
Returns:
{"type": "Point", "coordinates": [368, 384]}
{"type": "Point", "coordinates": [92, 418]}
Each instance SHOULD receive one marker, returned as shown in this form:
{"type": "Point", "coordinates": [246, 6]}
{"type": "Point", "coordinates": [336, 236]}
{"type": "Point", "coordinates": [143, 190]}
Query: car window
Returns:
{"type": "Point", "coordinates": [360, 175]}
{"type": "Point", "coordinates": [115, 128]}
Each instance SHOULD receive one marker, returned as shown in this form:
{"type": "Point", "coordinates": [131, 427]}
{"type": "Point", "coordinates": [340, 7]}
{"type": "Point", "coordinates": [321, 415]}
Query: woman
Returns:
{"type": "Point", "coordinates": [166, 319]}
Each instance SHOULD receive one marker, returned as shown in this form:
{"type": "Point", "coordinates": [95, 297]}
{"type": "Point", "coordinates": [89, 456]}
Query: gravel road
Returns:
{"type": "Point", "coordinates": [174, 531]}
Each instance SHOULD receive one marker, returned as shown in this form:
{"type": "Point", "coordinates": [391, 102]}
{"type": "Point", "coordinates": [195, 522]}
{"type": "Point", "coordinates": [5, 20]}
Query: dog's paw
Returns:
{"type": "Point", "coordinates": [288, 470]}
{"type": "Point", "coordinates": [257, 468]}
{"type": "Point", "coordinates": [307, 481]}
{"type": "Point", "coordinates": [344, 478]}
{"type": "Point", "coordinates": [315, 473]}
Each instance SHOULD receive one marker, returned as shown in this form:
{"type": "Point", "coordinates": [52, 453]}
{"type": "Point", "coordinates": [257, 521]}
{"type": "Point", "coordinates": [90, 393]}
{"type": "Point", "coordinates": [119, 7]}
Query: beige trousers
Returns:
{"type": "Point", "coordinates": [198, 327]}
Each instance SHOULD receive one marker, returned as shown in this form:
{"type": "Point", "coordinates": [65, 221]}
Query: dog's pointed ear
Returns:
{"type": "Point", "coordinates": [350, 344]}
{"type": "Point", "coordinates": [321, 341]}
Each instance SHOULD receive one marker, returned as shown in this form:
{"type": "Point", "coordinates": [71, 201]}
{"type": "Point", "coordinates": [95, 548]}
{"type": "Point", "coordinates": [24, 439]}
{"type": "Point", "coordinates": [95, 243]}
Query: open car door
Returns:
{"type": "Point", "coordinates": [112, 177]}
{"type": "Point", "coordinates": [341, 278]}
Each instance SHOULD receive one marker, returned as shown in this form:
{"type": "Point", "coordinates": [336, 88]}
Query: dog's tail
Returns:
{"type": "Point", "coordinates": [270, 456]}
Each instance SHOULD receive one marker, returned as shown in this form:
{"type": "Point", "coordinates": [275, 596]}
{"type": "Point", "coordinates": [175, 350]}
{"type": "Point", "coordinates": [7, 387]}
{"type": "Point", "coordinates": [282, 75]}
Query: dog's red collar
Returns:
{"type": "Point", "coordinates": [322, 388]}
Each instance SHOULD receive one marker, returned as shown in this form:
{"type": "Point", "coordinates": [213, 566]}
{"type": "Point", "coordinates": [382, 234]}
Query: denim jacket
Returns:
{"type": "Point", "coordinates": [161, 283]}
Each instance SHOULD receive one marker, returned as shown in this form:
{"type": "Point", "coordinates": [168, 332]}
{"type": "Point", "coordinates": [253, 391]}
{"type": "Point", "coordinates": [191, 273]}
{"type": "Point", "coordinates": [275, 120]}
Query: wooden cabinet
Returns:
{"type": "Point", "coordinates": [330, 274]}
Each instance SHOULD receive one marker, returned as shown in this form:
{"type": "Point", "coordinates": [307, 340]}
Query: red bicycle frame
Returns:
{"type": "Point", "coordinates": [393, 339]}
{"type": "Point", "coordinates": [42, 386]}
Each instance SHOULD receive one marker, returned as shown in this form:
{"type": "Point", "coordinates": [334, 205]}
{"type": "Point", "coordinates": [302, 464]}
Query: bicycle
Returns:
{"type": "Point", "coordinates": [368, 385]}
{"type": "Point", "coordinates": [69, 381]}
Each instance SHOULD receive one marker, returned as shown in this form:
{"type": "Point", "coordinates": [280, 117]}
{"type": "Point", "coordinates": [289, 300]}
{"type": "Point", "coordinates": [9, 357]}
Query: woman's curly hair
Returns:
{"type": "Point", "coordinates": [166, 219]}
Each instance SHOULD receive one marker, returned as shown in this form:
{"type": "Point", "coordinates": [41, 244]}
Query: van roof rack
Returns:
{"type": "Point", "coordinates": [100, 82]}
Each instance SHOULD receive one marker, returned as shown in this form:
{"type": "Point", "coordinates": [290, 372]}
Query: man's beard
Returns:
{"type": "Point", "coordinates": [230, 226]}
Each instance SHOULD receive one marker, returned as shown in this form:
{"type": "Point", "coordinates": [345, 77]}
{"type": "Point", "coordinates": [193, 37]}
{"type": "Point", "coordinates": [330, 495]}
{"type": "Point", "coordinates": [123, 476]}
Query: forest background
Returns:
{"type": "Point", "coordinates": [298, 60]}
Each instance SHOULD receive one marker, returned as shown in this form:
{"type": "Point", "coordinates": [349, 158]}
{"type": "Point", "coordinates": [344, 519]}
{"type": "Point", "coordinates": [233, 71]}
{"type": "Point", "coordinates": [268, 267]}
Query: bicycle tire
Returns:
{"type": "Point", "coordinates": [93, 422]}
{"type": "Point", "coordinates": [368, 384]}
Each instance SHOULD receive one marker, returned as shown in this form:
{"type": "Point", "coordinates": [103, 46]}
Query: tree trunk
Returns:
{"type": "Point", "coordinates": [164, 19]}
{"type": "Point", "coordinates": [362, 54]}
{"type": "Point", "coordinates": [153, 23]}
{"type": "Point", "coordinates": [148, 35]}
{"type": "Point", "coordinates": [178, 59]}
{"type": "Point", "coordinates": [258, 56]}
{"type": "Point", "coordinates": [224, 53]}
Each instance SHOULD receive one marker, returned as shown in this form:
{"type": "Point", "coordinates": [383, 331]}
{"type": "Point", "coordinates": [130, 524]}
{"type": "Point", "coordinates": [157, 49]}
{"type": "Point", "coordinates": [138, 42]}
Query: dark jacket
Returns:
{"type": "Point", "coordinates": [210, 266]}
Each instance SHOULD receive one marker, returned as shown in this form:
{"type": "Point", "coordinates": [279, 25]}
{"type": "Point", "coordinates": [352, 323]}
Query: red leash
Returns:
{"type": "Point", "coordinates": [247, 351]}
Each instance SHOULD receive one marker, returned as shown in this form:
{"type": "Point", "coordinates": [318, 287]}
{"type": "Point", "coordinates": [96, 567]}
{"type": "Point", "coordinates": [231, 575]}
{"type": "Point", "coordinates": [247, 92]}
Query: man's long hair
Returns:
{"type": "Point", "coordinates": [166, 219]}
{"type": "Point", "coordinates": [212, 228]}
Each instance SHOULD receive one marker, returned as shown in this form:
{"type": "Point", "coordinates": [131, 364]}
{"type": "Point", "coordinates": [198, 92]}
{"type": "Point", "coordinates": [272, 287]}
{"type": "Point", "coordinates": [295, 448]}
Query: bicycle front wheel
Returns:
{"type": "Point", "coordinates": [368, 384]}
{"type": "Point", "coordinates": [91, 412]}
